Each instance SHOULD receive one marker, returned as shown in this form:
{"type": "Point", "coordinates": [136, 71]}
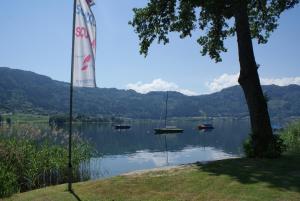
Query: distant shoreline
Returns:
{"type": "Point", "coordinates": [41, 118]}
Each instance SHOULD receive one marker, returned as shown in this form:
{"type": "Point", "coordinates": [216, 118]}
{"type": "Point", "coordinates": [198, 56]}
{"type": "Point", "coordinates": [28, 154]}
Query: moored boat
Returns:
{"type": "Point", "coordinates": [122, 126]}
{"type": "Point", "coordinates": [205, 126]}
{"type": "Point", "coordinates": [168, 130]}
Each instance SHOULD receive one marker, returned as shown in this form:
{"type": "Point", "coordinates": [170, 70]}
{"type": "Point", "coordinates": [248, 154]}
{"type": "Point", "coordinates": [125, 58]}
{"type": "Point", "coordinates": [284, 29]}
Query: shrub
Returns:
{"type": "Point", "coordinates": [276, 147]}
{"type": "Point", "coordinates": [36, 160]}
{"type": "Point", "coordinates": [58, 120]}
{"type": "Point", "coordinates": [248, 148]}
{"type": "Point", "coordinates": [8, 182]}
{"type": "Point", "coordinates": [291, 137]}
{"type": "Point", "coordinates": [274, 150]}
{"type": "Point", "coordinates": [20, 159]}
{"type": "Point", "coordinates": [8, 121]}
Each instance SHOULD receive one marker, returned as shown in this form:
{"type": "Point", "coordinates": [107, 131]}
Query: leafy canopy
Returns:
{"type": "Point", "coordinates": [213, 17]}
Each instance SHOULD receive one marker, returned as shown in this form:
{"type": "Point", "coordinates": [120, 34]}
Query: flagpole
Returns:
{"type": "Point", "coordinates": [166, 114]}
{"type": "Point", "coordinates": [70, 174]}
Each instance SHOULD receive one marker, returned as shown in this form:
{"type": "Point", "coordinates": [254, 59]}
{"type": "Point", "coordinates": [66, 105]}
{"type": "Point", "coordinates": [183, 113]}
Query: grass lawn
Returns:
{"type": "Point", "coordinates": [233, 179]}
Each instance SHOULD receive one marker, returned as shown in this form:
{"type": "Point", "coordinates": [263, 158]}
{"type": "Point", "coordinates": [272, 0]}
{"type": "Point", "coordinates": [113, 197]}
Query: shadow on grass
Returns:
{"type": "Point", "coordinates": [283, 172]}
{"type": "Point", "coordinates": [75, 195]}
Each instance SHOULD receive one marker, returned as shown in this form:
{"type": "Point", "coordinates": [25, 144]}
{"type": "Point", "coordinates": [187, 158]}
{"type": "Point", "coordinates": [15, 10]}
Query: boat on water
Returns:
{"type": "Point", "coordinates": [205, 126]}
{"type": "Point", "coordinates": [167, 129]}
{"type": "Point", "coordinates": [122, 126]}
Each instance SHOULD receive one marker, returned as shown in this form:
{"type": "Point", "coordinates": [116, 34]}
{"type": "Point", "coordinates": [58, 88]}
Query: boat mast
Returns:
{"type": "Point", "coordinates": [166, 114]}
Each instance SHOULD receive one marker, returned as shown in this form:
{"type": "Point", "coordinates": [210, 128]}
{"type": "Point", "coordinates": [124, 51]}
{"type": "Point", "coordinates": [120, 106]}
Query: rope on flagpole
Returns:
{"type": "Point", "coordinates": [70, 173]}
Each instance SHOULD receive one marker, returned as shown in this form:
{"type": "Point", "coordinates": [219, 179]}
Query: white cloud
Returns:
{"type": "Point", "coordinates": [227, 80]}
{"type": "Point", "coordinates": [222, 82]}
{"type": "Point", "coordinates": [281, 81]}
{"type": "Point", "coordinates": [159, 85]}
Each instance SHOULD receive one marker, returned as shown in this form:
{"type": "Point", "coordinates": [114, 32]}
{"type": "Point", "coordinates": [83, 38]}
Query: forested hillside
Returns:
{"type": "Point", "coordinates": [28, 92]}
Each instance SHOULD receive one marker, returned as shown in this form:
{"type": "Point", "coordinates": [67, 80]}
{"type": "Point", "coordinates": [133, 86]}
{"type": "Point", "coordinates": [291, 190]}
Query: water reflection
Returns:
{"type": "Point", "coordinates": [139, 148]}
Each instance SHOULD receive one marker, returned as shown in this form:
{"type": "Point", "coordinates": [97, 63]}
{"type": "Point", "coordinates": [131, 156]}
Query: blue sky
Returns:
{"type": "Point", "coordinates": [36, 36]}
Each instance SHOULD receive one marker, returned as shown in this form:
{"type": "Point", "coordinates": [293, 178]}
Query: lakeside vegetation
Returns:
{"type": "Point", "coordinates": [55, 120]}
{"type": "Point", "coordinates": [25, 118]}
{"type": "Point", "coordinates": [274, 179]}
{"type": "Point", "coordinates": [291, 137]}
{"type": "Point", "coordinates": [226, 180]}
{"type": "Point", "coordinates": [32, 158]}
{"type": "Point", "coordinates": [61, 120]}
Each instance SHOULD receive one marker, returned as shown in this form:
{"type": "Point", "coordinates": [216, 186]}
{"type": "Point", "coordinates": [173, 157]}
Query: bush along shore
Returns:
{"type": "Point", "coordinates": [232, 179]}
{"type": "Point", "coordinates": [32, 158]}
{"type": "Point", "coordinates": [286, 141]}
{"type": "Point", "coordinates": [245, 179]}
{"type": "Point", "coordinates": [291, 138]}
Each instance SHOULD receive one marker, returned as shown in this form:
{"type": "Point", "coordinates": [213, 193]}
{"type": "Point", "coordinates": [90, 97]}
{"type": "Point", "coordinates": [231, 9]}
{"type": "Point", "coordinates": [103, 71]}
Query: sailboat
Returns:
{"type": "Point", "coordinates": [167, 129]}
{"type": "Point", "coordinates": [121, 126]}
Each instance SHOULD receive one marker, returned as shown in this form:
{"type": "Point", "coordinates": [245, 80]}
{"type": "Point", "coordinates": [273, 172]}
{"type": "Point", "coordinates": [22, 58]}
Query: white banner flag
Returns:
{"type": "Point", "coordinates": [85, 45]}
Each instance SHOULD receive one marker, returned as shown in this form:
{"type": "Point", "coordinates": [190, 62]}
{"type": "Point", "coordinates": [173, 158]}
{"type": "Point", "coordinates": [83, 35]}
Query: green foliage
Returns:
{"type": "Point", "coordinates": [213, 17]}
{"type": "Point", "coordinates": [108, 104]}
{"type": "Point", "coordinates": [23, 117]}
{"type": "Point", "coordinates": [8, 121]}
{"type": "Point", "coordinates": [227, 180]}
{"type": "Point", "coordinates": [248, 148]}
{"type": "Point", "coordinates": [8, 181]}
{"type": "Point", "coordinates": [20, 157]}
{"type": "Point", "coordinates": [58, 120]}
{"type": "Point", "coordinates": [288, 140]}
{"type": "Point", "coordinates": [35, 159]}
{"type": "Point", "coordinates": [291, 137]}
{"type": "Point", "coordinates": [274, 149]}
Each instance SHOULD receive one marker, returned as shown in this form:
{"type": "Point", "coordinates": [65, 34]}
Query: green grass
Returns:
{"type": "Point", "coordinates": [233, 179]}
{"type": "Point", "coordinates": [25, 118]}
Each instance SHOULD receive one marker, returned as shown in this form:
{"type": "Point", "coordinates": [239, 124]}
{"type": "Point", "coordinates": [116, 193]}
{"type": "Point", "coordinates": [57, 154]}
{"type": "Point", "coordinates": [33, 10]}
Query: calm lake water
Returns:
{"type": "Point", "coordinates": [139, 148]}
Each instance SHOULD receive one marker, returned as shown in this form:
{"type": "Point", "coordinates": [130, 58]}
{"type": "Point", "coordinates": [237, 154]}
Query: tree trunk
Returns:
{"type": "Point", "coordinates": [249, 80]}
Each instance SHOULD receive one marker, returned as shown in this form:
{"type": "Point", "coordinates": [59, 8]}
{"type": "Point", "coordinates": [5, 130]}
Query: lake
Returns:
{"type": "Point", "coordinates": [138, 148]}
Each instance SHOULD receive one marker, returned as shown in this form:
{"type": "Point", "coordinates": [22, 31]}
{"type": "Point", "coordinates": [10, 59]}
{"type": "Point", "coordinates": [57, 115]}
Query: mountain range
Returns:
{"type": "Point", "coordinates": [28, 92]}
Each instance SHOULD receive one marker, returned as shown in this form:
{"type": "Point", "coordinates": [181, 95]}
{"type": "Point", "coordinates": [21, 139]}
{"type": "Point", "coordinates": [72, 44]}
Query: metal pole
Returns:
{"type": "Point", "coordinates": [166, 109]}
{"type": "Point", "coordinates": [70, 176]}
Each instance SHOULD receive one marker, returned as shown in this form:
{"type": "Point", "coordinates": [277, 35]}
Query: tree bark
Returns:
{"type": "Point", "coordinates": [249, 80]}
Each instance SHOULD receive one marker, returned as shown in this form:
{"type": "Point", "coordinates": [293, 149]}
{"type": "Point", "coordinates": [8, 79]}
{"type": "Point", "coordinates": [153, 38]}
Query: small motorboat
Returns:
{"type": "Point", "coordinates": [168, 129]}
{"type": "Point", "coordinates": [205, 126]}
{"type": "Point", "coordinates": [122, 126]}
